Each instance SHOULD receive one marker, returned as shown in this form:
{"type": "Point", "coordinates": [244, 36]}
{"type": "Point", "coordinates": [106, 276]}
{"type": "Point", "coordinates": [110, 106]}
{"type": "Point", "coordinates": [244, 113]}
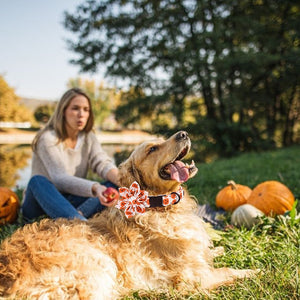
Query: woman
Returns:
{"type": "Point", "coordinates": [63, 152]}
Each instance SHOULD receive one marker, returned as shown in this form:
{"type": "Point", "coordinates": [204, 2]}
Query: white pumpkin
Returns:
{"type": "Point", "coordinates": [246, 215]}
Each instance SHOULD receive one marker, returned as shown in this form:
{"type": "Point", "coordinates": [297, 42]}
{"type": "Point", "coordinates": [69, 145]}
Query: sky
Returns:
{"type": "Point", "coordinates": [34, 58]}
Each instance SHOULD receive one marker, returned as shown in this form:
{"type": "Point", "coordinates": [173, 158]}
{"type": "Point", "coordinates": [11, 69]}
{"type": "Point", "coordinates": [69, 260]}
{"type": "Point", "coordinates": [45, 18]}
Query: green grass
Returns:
{"type": "Point", "coordinates": [272, 246]}
{"type": "Point", "coordinates": [248, 169]}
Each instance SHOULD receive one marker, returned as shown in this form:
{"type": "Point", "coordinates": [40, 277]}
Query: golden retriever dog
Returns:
{"type": "Point", "coordinates": [152, 239]}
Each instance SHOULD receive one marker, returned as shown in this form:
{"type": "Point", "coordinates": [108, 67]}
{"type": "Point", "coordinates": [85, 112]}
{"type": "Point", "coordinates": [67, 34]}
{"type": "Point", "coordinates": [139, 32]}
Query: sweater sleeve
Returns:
{"type": "Point", "coordinates": [53, 161]}
{"type": "Point", "coordinates": [100, 162]}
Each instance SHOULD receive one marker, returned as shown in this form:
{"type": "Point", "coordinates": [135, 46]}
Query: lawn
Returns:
{"type": "Point", "coordinates": [272, 246]}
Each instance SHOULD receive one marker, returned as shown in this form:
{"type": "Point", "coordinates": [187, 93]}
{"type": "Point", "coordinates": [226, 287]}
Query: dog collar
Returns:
{"type": "Point", "coordinates": [165, 200]}
{"type": "Point", "coordinates": [135, 201]}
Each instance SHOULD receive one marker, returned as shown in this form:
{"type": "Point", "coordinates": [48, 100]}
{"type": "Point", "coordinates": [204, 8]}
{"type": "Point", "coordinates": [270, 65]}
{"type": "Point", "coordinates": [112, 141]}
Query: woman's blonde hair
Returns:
{"type": "Point", "coordinates": [57, 120]}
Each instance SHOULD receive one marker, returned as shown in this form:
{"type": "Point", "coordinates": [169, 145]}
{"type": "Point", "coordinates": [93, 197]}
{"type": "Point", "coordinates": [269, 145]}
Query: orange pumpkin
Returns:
{"type": "Point", "coordinates": [232, 196]}
{"type": "Point", "coordinates": [272, 198]}
{"type": "Point", "coordinates": [9, 205]}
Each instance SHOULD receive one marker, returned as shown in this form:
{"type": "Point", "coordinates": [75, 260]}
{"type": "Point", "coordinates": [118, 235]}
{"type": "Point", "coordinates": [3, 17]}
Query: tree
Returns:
{"type": "Point", "coordinates": [241, 57]}
{"type": "Point", "coordinates": [12, 159]}
{"type": "Point", "coordinates": [43, 112]}
{"type": "Point", "coordinates": [10, 109]}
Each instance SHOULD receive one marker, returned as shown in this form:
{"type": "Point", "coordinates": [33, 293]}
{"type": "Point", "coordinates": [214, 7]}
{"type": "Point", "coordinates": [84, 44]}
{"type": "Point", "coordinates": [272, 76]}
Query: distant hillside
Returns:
{"type": "Point", "coordinates": [32, 104]}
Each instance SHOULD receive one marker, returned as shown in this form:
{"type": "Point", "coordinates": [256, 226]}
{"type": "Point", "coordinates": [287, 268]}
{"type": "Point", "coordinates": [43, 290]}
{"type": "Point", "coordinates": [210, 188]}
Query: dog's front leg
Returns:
{"type": "Point", "coordinates": [224, 276]}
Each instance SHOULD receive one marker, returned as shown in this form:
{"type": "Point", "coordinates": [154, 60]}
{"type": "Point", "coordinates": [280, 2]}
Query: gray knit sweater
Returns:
{"type": "Point", "coordinates": [67, 168]}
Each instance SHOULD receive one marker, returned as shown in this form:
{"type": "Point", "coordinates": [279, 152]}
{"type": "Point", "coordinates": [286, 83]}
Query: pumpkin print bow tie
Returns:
{"type": "Point", "coordinates": [134, 200]}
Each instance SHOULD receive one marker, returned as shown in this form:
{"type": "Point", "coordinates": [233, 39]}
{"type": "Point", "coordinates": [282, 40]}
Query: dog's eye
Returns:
{"type": "Point", "coordinates": [152, 149]}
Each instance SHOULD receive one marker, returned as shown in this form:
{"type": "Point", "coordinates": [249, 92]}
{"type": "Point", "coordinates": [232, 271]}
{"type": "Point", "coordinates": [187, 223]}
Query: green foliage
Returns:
{"type": "Point", "coordinates": [273, 247]}
{"type": "Point", "coordinates": [44, 112]}
{"type": "Point", "coordinates": [241, 57]}
{"type": "Point", "coordinates": [7, 230]}
{"type": "Point", "coordinates": [121, 156]}
{"type": "Point", "coordinates": [293, 214]}
{"type": "Point", "coordinates": [248, 169]}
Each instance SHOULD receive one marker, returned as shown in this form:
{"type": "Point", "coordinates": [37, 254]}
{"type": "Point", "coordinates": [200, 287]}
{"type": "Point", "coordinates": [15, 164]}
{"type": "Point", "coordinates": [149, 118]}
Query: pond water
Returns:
{"type": "Point", "coordinates": [15, 162]}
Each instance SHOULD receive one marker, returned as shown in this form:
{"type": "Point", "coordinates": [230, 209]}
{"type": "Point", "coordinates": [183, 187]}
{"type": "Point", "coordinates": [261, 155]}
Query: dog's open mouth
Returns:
{"type": "Point", "coordinates": [176, 169]}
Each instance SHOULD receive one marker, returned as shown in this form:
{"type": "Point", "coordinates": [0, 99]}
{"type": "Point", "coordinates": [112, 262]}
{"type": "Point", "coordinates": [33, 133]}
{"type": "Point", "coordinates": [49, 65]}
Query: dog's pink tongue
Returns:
{"type": "Point", "coordinates": [178, 171]}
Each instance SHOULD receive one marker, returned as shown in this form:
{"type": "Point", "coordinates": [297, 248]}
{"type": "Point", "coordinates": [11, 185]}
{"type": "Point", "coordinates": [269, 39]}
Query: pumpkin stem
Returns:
{"type": "Point", "coordinates": [232, 184]}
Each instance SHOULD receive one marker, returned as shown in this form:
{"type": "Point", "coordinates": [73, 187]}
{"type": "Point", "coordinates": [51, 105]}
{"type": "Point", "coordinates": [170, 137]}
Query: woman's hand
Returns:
{"type": "Point", "coordinates": [98, 191]}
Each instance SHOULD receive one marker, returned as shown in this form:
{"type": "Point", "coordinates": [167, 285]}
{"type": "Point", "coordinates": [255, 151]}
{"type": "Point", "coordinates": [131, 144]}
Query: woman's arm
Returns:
{"type": "Point", "coordinates": [100, 162]}
{"type": "Point", "coordinates": [113, 176]}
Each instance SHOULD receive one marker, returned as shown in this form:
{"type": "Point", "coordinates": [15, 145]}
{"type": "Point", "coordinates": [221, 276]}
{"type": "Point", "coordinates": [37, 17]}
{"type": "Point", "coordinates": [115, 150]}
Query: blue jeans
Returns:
{"type": "Point", "coordinates": [43, 198]}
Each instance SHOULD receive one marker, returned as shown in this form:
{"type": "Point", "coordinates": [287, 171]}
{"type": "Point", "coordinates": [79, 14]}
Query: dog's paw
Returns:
{"type": "Point", "coordinates": [246, 273]}
{"type": "Point", "coordinates": [218, 251]}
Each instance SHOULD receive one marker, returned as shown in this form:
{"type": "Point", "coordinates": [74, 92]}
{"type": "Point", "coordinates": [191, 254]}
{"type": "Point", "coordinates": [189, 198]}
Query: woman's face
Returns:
{"type": "Point", "coordinates": [77, 114]}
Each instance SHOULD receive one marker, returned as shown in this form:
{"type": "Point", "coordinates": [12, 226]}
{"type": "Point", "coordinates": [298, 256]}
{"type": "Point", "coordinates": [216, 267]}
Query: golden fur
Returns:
{"type": "Point", "coordinates": [109, 255]}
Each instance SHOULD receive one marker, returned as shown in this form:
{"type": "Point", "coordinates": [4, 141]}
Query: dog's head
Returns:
{"type": "Point", "coordinates": [157, 166]}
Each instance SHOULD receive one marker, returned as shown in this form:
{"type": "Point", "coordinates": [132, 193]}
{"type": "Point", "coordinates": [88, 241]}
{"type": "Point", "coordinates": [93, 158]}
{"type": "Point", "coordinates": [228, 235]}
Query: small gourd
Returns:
{"type": "Point", "coordinates": [9, 205]}
{"type": "Point", "coordinates": [272, 198]}
{"type": "Point", "coordinates": [232, 196]}
{"type": "Point", "coordinates": [246, 215]}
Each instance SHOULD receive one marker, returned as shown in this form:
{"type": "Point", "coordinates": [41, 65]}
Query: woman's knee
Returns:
{"type": "Point", "coordinates": [38, 179]}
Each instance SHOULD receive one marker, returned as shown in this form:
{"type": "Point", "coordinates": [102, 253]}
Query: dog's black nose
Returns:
{"type": "Point", "coordinates": [181, 135]}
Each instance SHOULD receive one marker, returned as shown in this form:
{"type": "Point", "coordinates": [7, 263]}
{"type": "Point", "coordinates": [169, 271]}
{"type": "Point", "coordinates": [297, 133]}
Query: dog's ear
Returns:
{"type": "Point", "coordinates": [126, 173]}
